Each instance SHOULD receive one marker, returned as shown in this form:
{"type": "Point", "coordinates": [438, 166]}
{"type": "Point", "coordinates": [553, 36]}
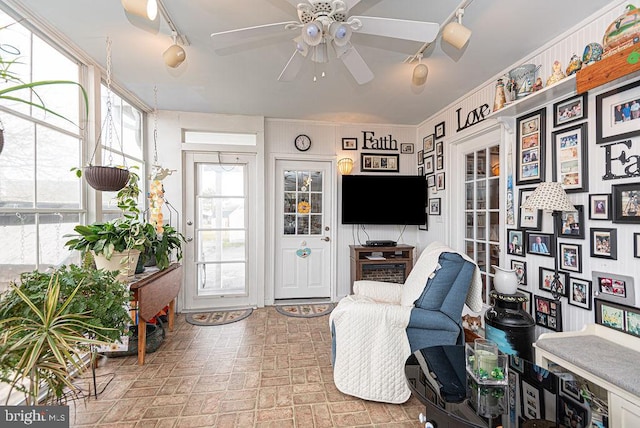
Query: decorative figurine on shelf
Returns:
{"type": "Point", "coordinates": [500, 99]}
{"type": "Point", "coordinates": [557, 74]}
{"type": "Point", "coordinates": [623, 32]}
{"type": "Point", "coordinates": [575, 64]}
{"type": "Point", "coordinates": [538, 85]}
{"type": "Point", "coordinates": [592, 53]}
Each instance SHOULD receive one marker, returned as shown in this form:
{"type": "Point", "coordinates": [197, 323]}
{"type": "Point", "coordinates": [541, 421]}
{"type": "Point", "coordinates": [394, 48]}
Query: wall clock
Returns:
{"type": "Point", "coordinates": [303, 142]}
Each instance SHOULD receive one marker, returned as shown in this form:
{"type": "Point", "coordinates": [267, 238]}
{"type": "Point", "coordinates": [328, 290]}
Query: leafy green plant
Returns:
{"type": "Point", "coordinates": [164, 244]}
{"type": "Point", "coordinates": [43, 334]}
{"type": "Point", "coordinates": [118, 235]}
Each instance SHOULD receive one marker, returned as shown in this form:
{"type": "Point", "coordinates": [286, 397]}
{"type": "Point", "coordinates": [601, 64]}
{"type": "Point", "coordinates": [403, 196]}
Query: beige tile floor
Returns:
{"type": "Point", "coordinates": [268, 370]}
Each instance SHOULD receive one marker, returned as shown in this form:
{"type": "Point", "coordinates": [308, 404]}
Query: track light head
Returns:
{"type": "Point", "coordinates": [456, 34]}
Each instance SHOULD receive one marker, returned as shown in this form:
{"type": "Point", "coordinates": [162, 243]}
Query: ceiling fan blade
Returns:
{"type": "Point", "coordinates": [351, 3]}
{"type": "Point", "coordinates": [356, 66]}
{"type": "Point", "coordinates": [233, 37]}
{"type": "Point", "coordinates": [398, 28]}
{"type": "Point", "coordinates": [292, 68]}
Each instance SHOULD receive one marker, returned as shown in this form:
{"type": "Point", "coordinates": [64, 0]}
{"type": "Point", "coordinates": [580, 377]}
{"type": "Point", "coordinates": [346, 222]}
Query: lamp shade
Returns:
{"type": "Point", "coordinates": [456, 34]}
{"type": "Point", "coordinates": [142, 8]}
{"type": "Point", "coordinates": [174, 55]}
{"type": "Point", "coordinates": [549, 196]}
{"type": "Point", "coordinates": [420, 73]}
{"type": "Point", "coordinates": [345, 165]}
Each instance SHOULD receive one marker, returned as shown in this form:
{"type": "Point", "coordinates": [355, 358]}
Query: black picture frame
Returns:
{"type": "Point", "coordinates": [434, 206]}
{"type": "Point", "coordinates": [420, 157]}
{"type": "Point", "coordinates": [428, 144]}
{"type": "Point", "coordinates": [439, 163]}
{"type": "Point", "coordinates": [528, 219]}
{"type": "Point", "coordinates": [527, 306]}
{"type": "Point", "coordinates": [571, 223]}
{"type": "Point", "coordinates": [611, 286]}
{"type": "Point", "coordinates": [604, 243]}
{"type": "Point", "coordinates": [618, 317]}
{"type": "Point", "coordinates": [545, 277]}
{"type": "Point", "coordinates": [548, 313]}
{"type": "Point", "coordinates": [535, 247]}
{"type": "Point", "coordinates": [626, 202]}
{"type": "Point", "coordinates": [515, 248]}
{"type": "Point", "coordinates": [439, 130]}
{"type": "Point", "coordinates": [439, 148]}
{"type": "Point", "coordinates": [600, 206]}
{"type": "Point", "coordinates": [570, 110]}
{"type": "Point", "coordinates": [425, 226]}
{"type": "Point", "coordinates": [349, 143]}
{"type": "Point", "coordinates": [580, 293]}
{"type": "Point", "coordinates": [429, 166]}
{"type": "Point", "coordinates": [569, 411]}
{"type": "Point", "coordinates": [570, 257]}
{"type": "Point", "coordinates": [531, 400]}
{"type": "Point", "coordinates": [636, 245]}
{"type": "Point", "coordinates": [406, 148]}
{"type": "Point", "coordinates": [420, 171]}
{"type": "Point", "coordinates": [431, 181]}
{"type": "Point", "coordinates": [440, 181]}
{"type": "Point", "coordinates": [530, 141]}
{"type": "Point", "coordinates": [376, 162]}
{"type": "Point", "coordinates": [520, 267]}
{"type": "Point", "coordinates": [571, 158]}
{"type": "Point", "coordinates": [608, 126]}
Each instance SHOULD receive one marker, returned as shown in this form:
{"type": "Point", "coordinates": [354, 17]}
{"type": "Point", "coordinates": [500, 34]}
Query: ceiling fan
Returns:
{"type": "Point", "coordinates": [326, 23]}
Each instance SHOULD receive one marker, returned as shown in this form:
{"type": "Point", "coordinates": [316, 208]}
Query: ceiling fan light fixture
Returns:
{"type": "Point", "coordinates": [456, 34]}
{"type": "Point", "coordinates": [340, 33]}
{"type": "Point", "coordinates": [319, 53]}
{"type": "Point", "coordinates": [143, 8]}
{"type": "Point", "coordinates": [301, 46]}
{"type": "Point", "coordinates": [312, 33]}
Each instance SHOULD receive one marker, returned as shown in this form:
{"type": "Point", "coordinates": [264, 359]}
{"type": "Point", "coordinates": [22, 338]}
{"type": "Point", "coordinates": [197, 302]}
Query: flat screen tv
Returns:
{"type": "Point", "coordinates": [383, 199]}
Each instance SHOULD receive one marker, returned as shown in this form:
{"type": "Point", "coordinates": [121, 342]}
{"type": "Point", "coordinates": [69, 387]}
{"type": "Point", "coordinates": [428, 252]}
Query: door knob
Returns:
{"type": "Point", "coordinates": [189, 239]}
{"type": "Point", "coordinates": [189, 223]}
{"type": "Point", "coordinates": [326, 238]}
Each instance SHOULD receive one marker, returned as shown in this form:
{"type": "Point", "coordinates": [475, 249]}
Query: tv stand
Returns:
{"type": "Point", "coordinates": [387, 264]}
{"type": "Point", "coordinates": [381, 243]}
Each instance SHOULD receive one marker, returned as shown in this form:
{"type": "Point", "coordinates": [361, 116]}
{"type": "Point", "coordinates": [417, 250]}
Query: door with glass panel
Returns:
{"type": "Point", "coordinates": [219, 258]}
{"type": "Point", "coordinates": [480, 232]}
{"type": "Point", "coordinates": [303, 230]}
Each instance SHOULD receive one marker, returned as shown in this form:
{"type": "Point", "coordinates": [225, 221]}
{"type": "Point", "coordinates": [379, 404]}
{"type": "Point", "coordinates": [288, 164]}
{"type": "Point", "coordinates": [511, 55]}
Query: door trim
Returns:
{"type": "Point", "coordinates": [270, 271]}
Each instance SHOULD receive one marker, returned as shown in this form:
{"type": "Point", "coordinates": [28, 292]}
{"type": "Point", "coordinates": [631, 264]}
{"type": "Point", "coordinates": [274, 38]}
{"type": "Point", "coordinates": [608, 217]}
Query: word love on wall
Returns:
{"type": "Point", "coordinates": [618, 163]}
{"type": "Point", "coordinates": [474, 117]}
{"type": "Point", "coordinates": [371, 142]}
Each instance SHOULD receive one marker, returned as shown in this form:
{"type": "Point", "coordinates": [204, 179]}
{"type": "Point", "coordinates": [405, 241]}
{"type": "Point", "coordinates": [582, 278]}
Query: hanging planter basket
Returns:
{"type": "Point", "coordinates": [106, 178]}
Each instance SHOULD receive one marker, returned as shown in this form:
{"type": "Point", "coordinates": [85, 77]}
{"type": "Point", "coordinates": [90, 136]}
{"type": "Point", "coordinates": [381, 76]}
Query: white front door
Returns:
{"type": "Point", "coordinates": [220, 258]}
{"type": "Point", "coordinates": [303, 227]}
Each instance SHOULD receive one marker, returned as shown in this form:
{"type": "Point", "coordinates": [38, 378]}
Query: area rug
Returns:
{"type": "Point", "coordinates": [218, 317]}
{"type": "Point", "coordinates": [306, 310]}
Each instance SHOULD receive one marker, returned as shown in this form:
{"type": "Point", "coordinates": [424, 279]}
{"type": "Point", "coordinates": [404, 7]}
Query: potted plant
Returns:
{"type": "Point", "coordinates": [50, 320]}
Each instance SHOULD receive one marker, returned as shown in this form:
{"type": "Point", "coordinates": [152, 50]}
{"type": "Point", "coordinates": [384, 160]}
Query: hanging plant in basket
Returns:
{"type": "Point", "coordinates": [106, 178]}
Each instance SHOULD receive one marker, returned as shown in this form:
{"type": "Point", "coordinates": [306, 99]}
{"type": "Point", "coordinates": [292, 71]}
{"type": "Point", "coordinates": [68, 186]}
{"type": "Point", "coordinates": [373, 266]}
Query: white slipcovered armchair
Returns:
{"type": "Point", "coordinates": [375, 330]}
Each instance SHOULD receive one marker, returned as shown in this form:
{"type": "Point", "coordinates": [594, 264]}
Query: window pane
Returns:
{"type": "Point", "coordinates": [17, 164]}
{"type": "Point", "coordinates": [228, 278]}
{"type": "Point", "coordinates": [220, 180]}
{"type": "Point", "coordinates": [221, 213]}
{"type": "Point", "coordinates": [52, 228]}
{"type": "Point", "coordinates": [19, 229]}
{"type": "Point", "coordinates": [494, 195]}
{"type": "Point", "coordinates": [221, 245]}
{"type": "Point", "coordinates": [58, 187]}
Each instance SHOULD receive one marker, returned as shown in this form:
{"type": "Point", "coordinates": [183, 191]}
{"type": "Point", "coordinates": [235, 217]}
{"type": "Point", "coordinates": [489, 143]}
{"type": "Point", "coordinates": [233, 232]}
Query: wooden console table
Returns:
{"type": "Point", "coordinates": [153, 293]}
{"type": "Point", "coordinates": [364, 258]}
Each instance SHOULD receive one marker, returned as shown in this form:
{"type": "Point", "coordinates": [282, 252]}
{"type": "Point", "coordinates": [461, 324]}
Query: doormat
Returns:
{"type": "Point", "coordinates": [306, 310]}
{"type": "Point", "coordinates": [218, 317]}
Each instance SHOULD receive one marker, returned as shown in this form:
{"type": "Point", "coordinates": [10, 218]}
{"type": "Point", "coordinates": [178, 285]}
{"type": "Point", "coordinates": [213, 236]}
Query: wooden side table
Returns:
{"type": "Point", "coordinates": [153, 293]}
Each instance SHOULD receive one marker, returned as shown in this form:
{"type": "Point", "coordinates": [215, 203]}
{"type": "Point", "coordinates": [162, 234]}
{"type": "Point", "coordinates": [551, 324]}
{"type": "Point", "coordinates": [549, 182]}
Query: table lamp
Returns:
{"type": "Point", "coordinates": [550, 196]}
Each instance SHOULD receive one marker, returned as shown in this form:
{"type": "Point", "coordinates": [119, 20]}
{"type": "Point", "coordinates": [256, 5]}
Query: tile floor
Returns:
{"type": "Point", "coordinates": [268, 370]}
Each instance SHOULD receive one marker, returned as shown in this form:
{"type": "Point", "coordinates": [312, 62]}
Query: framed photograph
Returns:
{"type": "Point", "coordinates": [439, 148]}
{"type": "Point", "coordinates": [406, 148]}
{"type": "Point", "coordinates": [427, 143]}
{"type": "Point", "coordinates": [373, 162]}
{"type": "Point", "coordinates": [428, 165]}
{"type": "Point", "coordinates": [600, 207]}
{"type": "Point", "coordinates": [528, 218]}
{"type": "Point", "coordinates": [580, 293]}
{"type": "Point", "coordinates": [611, 314]}
{"type": "Point", "coordinates": [604, 243]}
{"type": "Point", "coordinates": [527, 305]}
{"type": "Point", "coordinates": [571, 223]}
{"type": "Point", "coordinates": [530, 148]}
{"type": "Point", "coordinates": [636, 245]}
{"type": "Point", "coordinates": [569, 387]}
{"type": "Point", "coordinates": [434, 206]}
{"type": "Point", "coordinates": [570, 158]}
{"type": "Point", "coordinates": [516, 240]}
{"type": "Point", "coordinates": [545, 277]}
{"type": "Point", "coordinates": [516, 363]}
{"type": "Point", "coordinates": [420, 157]}
{"type": "Point", "coordinates": [570, 413]}
{"type": "Point", "coordinates": [521, 271]}
{"type": "Point", "coordinates": [570, 257]}
{"type": "Point", "coordinates": [440, 163]}
{"type": "Point", "coordinates": [440, 181]}
{"type": "Point", "coordinates": [420, 171]}
{"type": "Point", "coordinates": [548, 313]}
{"type": "Point", "coordinates": [532, 401]}
{"type": "Point", "coordinates": [616, 116]}
{"type": "Point", "coordinates": [439, 130]}
{"type": "Point", "coordinates": [425, 226]}
{"type": "Point", "coordinates": [626, 202]}
{"type": "Point", "coordinates": [570, 110]}
{"type": "Point", "coordinates": [541, 243]}
{"type": "Point", "coordinates": [431, 181]}
{"type": "Point", "coordinates": [612, 286]}
{"type": "Point", "coordinates": [349, 144]}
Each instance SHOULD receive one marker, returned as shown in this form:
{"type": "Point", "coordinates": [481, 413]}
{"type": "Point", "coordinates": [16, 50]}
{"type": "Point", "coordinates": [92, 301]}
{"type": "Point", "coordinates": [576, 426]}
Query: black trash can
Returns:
{"type": "Point", "coordinates": [510, 326]}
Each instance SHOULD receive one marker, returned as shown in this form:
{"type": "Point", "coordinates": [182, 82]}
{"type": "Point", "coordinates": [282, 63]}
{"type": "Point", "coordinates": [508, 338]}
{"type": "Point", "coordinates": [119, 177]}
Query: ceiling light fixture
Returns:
{"type": "Point", "coordinates": [456, 34]}
{"type": "Point", "coordinates": [420, 73]}
{"type": "Point", "coordinates": [175, 54]}
{"type": "Point", "coordinates": [345, 165]}
{"type": "Point", "coordinates": [143, 8]}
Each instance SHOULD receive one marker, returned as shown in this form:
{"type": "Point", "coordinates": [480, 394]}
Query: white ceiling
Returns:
{"type": "Point", "coordinates": [244, 80]}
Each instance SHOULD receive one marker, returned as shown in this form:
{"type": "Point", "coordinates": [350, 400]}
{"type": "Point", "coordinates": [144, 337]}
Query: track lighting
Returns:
{"type": "Point", "coordinates": [175, 54]}
{"type": "Point", "coordinates": [456, 34]}
{"type": "Point", "coordinates": [420, 73]}
{"type": "Point", "coordinates": [143, 8]}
